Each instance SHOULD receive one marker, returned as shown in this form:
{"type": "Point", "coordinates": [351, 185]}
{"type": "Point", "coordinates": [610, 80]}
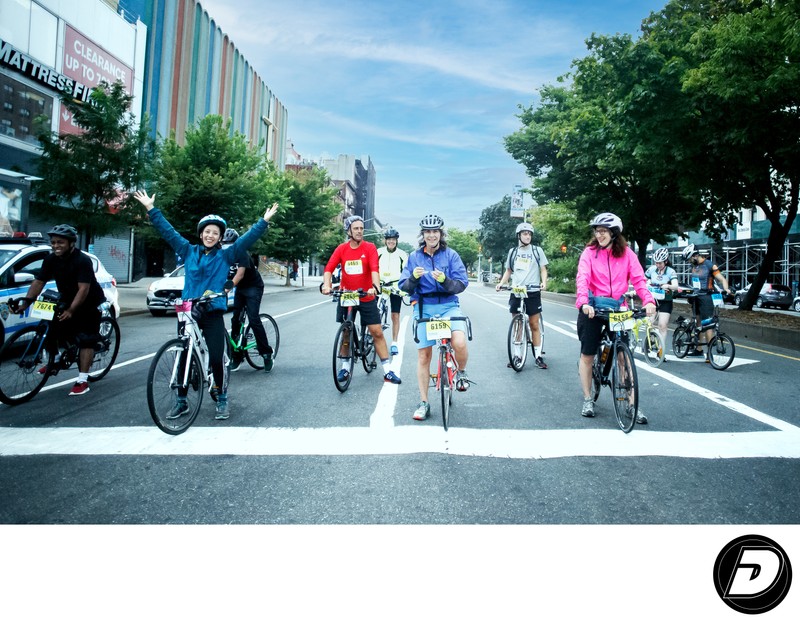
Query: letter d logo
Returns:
{"type": "Point", "coordinates": [752, 574]}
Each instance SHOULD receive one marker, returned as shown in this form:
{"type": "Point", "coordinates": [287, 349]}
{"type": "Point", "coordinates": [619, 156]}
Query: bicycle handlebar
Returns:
{"type": "Point", "coordinates": [530, 288]}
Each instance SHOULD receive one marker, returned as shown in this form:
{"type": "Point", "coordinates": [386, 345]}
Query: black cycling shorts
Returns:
{"type": "Point", "coordinates": [703, 306]}
{"type": "Point", "coordinates": [589, 331]}
{"type": "Point", "coordinates": [533, 305]}
{"type": "Point", "coordinates": [395, 302]}
{"type": "Point", "coordinates": [368, 311]}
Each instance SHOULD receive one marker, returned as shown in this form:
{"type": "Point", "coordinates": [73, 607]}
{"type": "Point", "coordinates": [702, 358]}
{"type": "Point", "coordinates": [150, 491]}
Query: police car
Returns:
{"type": "Point", "coordinates": [20, 262]}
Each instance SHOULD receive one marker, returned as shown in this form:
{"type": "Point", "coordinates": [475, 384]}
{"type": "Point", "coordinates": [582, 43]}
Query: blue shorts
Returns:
{"type": "Point", "coordinates": [443, 310]}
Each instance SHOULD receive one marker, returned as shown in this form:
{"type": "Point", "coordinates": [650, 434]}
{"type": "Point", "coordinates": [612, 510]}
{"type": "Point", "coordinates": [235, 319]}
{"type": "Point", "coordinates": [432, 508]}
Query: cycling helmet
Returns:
{"type": "Point", "coordinates": [690, 251]}
{"type": "Point", "coordinates": [524, 226]}
{"type": "Point", "coordinates": [390, 233]}
{"type": "Point", "coordinates": [212, 219]}
{"type": "Point", "coordinates": [431, 221]}
{"type": "Point", "coordinates": [231, 235]}
{"type": "Point", "coordinates": [65, 231]}
{"type": "Point", "coordinates": [349, 221]}
{"type": "Point", "coordinates": [608, 220]}
{"type": "Point", "coordinates": [662, 254]}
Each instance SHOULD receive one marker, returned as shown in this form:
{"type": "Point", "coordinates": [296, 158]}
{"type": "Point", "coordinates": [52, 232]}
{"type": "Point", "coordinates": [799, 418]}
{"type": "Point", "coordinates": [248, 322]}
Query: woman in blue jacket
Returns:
{"type": "Point", "coordinates": [206, 267]}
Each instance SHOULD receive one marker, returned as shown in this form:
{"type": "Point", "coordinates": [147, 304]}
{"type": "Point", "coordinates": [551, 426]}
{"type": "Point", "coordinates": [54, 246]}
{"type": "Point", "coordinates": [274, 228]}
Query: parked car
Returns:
{"type": "Point", "coordinates": [20, 262]}
{"type": "Point", "coordinates": [162, 293]}
{"type": "Point", "coordinates": [771, 295]}
{"type": "Point", "coordinates": [796, 304]}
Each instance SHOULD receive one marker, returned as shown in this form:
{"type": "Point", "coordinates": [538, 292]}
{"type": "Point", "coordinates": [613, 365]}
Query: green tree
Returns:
{"type": "Point", "coordinates": [555, 225]}
{"type": "Point", "coordinates": [85, 173]}
{"type": "Point", "coordinates": [215, 172]}
{"type": "Point", "coordinates": [465, 243]}
{"type": "Point", "coordinates": [307, 224]}
{"type": "Point", "coordinates": [405, 246]}
{"type": "Point", "coordinates": [497, 235]}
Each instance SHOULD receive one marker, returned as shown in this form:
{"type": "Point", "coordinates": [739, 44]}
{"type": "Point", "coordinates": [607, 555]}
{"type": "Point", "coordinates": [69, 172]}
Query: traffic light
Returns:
{"type": "Point", "coordinates": [563, 249]}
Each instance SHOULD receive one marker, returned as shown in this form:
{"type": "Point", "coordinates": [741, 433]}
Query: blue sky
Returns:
{"type": "Point", "coordinates": [427, 90]}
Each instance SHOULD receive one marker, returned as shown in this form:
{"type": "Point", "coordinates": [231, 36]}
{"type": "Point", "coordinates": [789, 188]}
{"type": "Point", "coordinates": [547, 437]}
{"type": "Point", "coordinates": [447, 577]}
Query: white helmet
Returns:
{"type": "Point", "coordinates": [662, 254]}
{"type": "Point", "coordinates": [690, 251]}
{"type": "Point", "coordinates": [607, 220]}
{"type": "Point", "coordinates": [524, 226]}
{"type": "Point", "coordinates": [431, 221]}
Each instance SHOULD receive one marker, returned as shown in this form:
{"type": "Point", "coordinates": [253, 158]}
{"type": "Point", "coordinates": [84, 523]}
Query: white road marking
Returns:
{"type": "Point", "coordinates": [383, 415]}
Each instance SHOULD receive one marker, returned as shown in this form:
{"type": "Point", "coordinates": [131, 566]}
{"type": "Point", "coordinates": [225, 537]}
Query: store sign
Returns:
{"type": "Point", "coordinates": [12, 58]}
{"type": "Point", "coordinates": [88, 62]}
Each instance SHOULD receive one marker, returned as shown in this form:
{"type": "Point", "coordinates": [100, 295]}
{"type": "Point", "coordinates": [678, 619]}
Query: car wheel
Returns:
{"type": "Point", "coordinates": [797, 306]}
{"type": "Point", "coordinates": [737, 300]}
{"type": "Point", "coordinates": [759, 302]}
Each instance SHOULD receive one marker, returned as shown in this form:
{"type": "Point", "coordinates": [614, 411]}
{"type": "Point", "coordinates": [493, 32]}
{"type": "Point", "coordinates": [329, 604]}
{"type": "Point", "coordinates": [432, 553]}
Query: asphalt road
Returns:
{"type": "Point", "coordinates": [720, 448]}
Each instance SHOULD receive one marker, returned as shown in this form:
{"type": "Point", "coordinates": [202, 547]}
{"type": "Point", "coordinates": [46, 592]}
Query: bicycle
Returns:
{"type": "Point", "coordinates": [615, 367]}
{"type": "Point", "coordinates": [644, 336]}
{"type": "Point", "coordinates": [349, 344]}
{"type": "Point", "coordinates": [387, 290]}
{"type": "Point", "coordinates": [244, 343]}
{"type": "Point", "coordinates": [181, 365]}
{"type": "Point", "coordinates": [519, 331]}
{"type": "Point", "coordinates": [25, 362]}
{"type": "Point", "coordinates": [438, 329]}
{"type": "Point", "coordinates": [721, 348]}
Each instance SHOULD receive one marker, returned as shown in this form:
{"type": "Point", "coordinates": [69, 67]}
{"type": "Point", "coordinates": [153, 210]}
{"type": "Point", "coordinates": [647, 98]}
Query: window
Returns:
{"type": "Point", "coordinates": [22, 103]}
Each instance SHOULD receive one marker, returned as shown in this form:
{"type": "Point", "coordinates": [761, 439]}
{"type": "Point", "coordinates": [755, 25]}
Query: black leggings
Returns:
{"type": "Point", "coordinates": [212, 324]}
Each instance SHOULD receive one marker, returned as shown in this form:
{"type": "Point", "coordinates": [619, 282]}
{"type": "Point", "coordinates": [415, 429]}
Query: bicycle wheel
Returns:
{"type": "Point", "coordinates": [167, 372]}
{"type": "Point", "coordinates": [653, 347]}
{"type": "Point", "coordinates": [541, 334]}
{"type": "Point", "coordinates": [445, 388]}
{"type": "Point", "coordinates": [517, 342]}
{"type": "Point", "coordinates": [22, 357]}
{"type": "Point", "coordinates": [384, 309]}
{"type": "Point", "coordinates": [343, 361]}
{"type": "Point", "coordinates": [273, 338]}
{"type": "Point", "coordinates": [721, 351]}
{"type": "Point", "coordinates": [596, 378]}
{"type": "Point", "coordinates": [107, 349]}
{"type": "Point", "coordinates": [681, 341]}
{"type": "Point", "coordinates": [624, 387]}
{"type": "Point", "coordinates": [368, 352]}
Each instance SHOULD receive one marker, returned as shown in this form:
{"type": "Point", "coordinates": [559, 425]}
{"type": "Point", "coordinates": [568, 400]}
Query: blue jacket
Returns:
{"type": "Point", "coordinates": [205, 271]}
{"type": "Point", "coordinates": [445, 260]}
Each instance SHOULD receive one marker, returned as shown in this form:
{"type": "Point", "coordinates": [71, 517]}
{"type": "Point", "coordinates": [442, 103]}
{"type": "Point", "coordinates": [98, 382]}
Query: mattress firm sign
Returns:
{"type": "Point", "coordinates": [87, 62]}
{"type": "Point", "coordinates": [12, 58]}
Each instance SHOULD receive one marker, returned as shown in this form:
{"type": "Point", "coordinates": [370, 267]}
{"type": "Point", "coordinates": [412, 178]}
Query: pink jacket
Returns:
{"type": "Point", "coordinates": [606, 275]}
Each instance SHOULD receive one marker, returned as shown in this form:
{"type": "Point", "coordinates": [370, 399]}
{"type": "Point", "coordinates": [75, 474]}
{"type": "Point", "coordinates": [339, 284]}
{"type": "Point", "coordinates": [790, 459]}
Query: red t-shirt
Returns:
{"type": "Point", "coordinates": [358, 264]}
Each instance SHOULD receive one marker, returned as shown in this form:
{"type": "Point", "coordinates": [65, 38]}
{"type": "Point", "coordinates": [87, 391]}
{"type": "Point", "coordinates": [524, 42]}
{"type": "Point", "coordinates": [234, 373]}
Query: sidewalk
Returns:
{"type": "Point", "coordinates": [133, 296]}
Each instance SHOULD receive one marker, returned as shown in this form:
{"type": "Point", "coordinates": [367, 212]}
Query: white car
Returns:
{"type": "Point", "coordinates": [20, 262]}
{"type": "Point", "coordinates": [162, 293]}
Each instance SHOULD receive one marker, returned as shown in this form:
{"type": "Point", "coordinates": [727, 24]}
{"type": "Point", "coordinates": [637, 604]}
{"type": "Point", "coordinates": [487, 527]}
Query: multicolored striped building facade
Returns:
{"type": "Point", "coordinates": [193, 69]}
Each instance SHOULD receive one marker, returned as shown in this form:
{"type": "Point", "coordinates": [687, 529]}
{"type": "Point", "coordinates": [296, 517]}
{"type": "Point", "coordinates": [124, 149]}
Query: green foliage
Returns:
{"type": "Point", "coordinates": [83, 173]}
{"type": "Point", "coordinates": [497, 230]}
{"type": "Point", "coordinates": [561, 273]}
{"type": "Point", "coordinates": [465, 243]}
{"type": "Point", "coordinates": [556, 225]}
{"type": "Point", "coordinates": [408, 248]}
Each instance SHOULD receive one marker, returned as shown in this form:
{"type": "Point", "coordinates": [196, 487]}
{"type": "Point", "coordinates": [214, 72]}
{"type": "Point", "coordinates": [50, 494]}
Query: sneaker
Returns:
{"type": "Point", "coordinates": [640, 418]}
{"type": "Point", "coordinates": [462, 382]}
{"type": "Point", "coordinates": [268, 363]}
{"type": "Point", "coordinates": [540, 362]}
{"type": "Point", "coordinates": [343, 375]}
{"type": "Point", "coordinates": [180, 409]}
{"type": "Point", "coordinates": [235, 365]}
{"type": "Point", "coordinates": [695, 353]}
{"type": "Point", "coordinates": [588, 407]}
{"type": "Point", "coordinates": [394, 351]}
{"type": "Point", "coordinates": [516, 362]}
{"type": "Point", "coordinates": [79, 388]}
{"type": "Point", "coordinates": [392, 377]}
{"type": "Point", "coordinates": [422, 412]}
{"type": "Point", "coordinates": [222, 407]}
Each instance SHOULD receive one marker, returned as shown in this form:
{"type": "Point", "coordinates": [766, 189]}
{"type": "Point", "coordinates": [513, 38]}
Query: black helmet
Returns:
{"type": "Point", "coordinates": [390, 233]}
{"type": "Point", "coordinates": [65, 231]}
{"type": "Point", "coordinates": [212, 219]}
{"type": "Point", "coordinates": [231, 235]}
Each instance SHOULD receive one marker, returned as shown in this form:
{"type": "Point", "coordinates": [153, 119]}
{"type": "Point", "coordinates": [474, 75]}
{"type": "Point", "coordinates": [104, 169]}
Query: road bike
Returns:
{"type": "Point", "coordinates": [181, 368]}
{"type": "Point", "coordinates": [519, 331]}
{"type": "Point", "coordinates": [720, 350]}
{"type": "Point", "coordinates": [614, 366]}
{"type": "Point", "coordinates": [445, 378]}
{"type": "Point", "coordinates": [351, 344]}
{"type": "Point", "coordinates": [644, 336]}
{"type": "Point", "coordinates": [387, 289]}
{"type": "Point", "coordinates": [244, 345]}
{"type": "Point", "coordinates": [25, 362]}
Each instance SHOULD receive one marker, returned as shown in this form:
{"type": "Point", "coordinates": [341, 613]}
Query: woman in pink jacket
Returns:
{"type": "Point", "coordinates": [605, 268]}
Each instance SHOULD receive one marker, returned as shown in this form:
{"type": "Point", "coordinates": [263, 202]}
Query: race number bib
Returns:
{"type": "Point", "coordinates": [353, 266]}
{"type": "Point", "coordinates": [438, 329]}
{"type": "Point", "coordinates": [658, 293]}
{"type": "Point", "coordinates": [519, 291]}
{"type": "Point", "coordinates": [349, 299]}
{"type": "Point", "coordinates": [716, 299]}
{"type": "Point", "coordinates": [42, 310]}
{"type": "Point", "coordinates": [621, 321]}
{"type": "Point", "coordinates": [696, 282]}
{"type": "Point", "coordinates": [522, 263]}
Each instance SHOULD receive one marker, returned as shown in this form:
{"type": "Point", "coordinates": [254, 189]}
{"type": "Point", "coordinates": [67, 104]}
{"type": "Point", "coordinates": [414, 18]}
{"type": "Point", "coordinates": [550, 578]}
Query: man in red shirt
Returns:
{"type": "Point", "coordinates": [360, 270]}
